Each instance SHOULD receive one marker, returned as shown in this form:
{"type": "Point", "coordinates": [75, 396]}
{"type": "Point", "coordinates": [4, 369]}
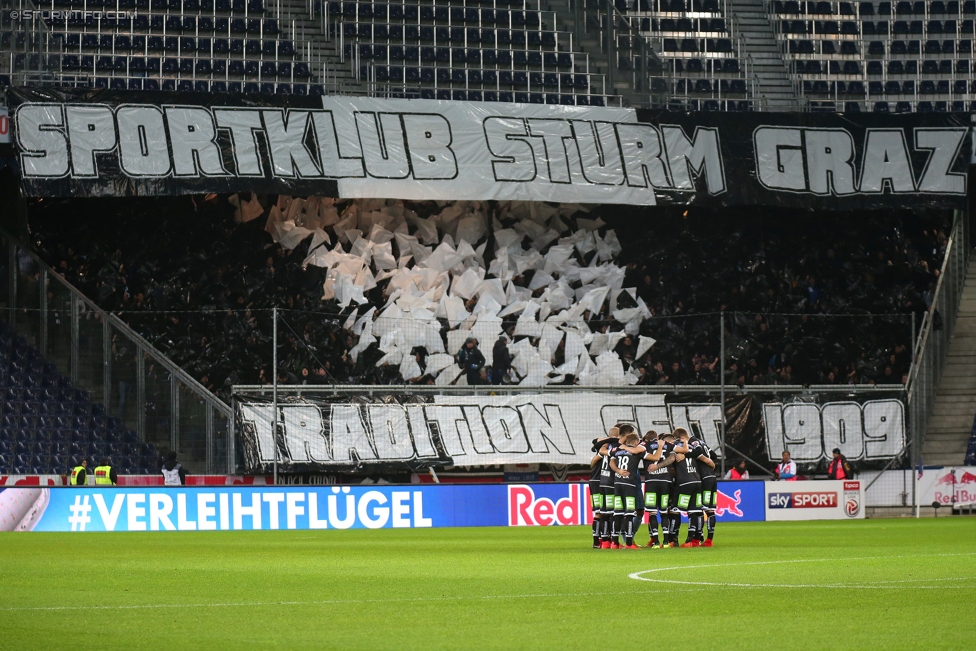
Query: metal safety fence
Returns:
{"type": "Point", "coordinates": [98, 353]}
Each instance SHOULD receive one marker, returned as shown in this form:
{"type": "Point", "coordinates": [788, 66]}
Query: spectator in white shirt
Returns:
{"type": "Point", "coordinates": [786, 470]}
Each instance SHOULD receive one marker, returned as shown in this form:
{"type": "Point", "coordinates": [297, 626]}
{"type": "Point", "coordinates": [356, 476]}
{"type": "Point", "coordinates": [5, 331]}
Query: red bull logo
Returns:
{"type": "Point", "coordinates": [947, 479]}
{"type": "Point", "coordinates": [728, 504]}
{"type": "Point", "coordinates": [31, 480]}
{"type": "Point", "coordinates": [967, 478]}
{"type": "Point", "coordinates": [525, 509]}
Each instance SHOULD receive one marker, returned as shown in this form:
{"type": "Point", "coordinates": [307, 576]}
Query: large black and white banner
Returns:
{"type": "Point", "coordinates": [341, 432]}
{"type": "Point", "coordinates": [118, 143]}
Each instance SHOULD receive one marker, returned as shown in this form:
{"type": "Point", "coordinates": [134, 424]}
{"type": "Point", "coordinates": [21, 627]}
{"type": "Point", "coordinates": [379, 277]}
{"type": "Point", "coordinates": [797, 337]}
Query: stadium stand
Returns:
{"type": "Point", "coordinates": [191, 45]}
{"type": "Point", "coordinates": [47, 426]}
{"type": "Point", "coordinates": [702, 59]}
{"type": "Point", "coordinates": [511, 53]}
{"type": "Point", "coordinates": [466, 51]}
{"type": "Point", "coordinates": [889, 57]}
{"type": "Point", "coordinates": [686, 55]}
{"type": "Point", "coordinates": [203, 298]}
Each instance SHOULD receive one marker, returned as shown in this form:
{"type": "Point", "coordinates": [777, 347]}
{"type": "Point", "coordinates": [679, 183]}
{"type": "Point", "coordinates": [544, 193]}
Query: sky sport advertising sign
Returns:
{"type": "Point", "coordinates": [264, 508]}
{"type": "Point", "coordinates": [814, 500]}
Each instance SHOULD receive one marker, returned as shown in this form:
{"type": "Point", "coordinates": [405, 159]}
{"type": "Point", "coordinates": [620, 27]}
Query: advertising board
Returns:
{"type": "Point", "coordinates": [814, 500]}
{"type": "Point", "coordinates": [252, 508]}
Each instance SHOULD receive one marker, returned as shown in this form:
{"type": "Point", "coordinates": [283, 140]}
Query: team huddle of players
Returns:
{"type": "Point", "coordinates": [678, 475]}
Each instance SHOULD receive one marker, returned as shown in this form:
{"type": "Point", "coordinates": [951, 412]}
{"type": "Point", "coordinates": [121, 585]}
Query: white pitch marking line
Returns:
{"type": "Point", "coordinates": [553, 595]}
{"type": "Point", "coordinates": [880, 585]}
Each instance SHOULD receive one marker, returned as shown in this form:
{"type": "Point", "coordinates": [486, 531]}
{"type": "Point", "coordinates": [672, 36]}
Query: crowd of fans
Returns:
{"type": "Point", "coordinates": [808, 298]}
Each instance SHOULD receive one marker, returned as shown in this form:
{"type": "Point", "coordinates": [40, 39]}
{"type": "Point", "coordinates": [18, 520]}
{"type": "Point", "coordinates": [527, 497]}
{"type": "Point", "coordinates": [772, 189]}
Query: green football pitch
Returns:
{"type": "Point", "coordinates": [875, 584]}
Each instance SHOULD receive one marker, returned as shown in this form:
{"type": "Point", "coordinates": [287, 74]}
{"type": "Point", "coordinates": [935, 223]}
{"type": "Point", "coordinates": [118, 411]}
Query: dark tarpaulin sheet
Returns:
{"type": "Point", "coordinates": [791, 159]}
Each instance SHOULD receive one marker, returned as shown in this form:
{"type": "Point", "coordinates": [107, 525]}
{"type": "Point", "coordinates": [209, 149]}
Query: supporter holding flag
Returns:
{"type": "Point", "coordinates": [471, 360]}
{"type": "Point", "coordinates": [501, 360]}
{"type": "Point", "coordinates": [840, 467]}
{"type": "Point", "coordinates": [786, 470]}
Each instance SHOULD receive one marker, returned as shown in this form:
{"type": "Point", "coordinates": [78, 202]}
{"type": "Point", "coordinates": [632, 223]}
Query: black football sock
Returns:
{"type": "Point", "coordinates": [652, 526]}
{"type": "Point", "coordinates": [605, 528]}
{"type": "Point", "coordinates": [618, 525]}
{"type": "Point", "coordinates": [629, 529]}
{"type": "Point", "coordinates": [675, 527]}
{"type": "Point", "coordinates": [711, 526]}
{"type": "Point", "coordinates": [596, 532]}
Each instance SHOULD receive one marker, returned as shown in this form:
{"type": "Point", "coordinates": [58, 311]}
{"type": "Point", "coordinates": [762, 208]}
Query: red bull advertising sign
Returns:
{"type": "Point", "coordinates": [568, 504]}
{"type": "Point", "coordinates": [548, 504]}
{"type": "Point", "coordinates": [948, 486]}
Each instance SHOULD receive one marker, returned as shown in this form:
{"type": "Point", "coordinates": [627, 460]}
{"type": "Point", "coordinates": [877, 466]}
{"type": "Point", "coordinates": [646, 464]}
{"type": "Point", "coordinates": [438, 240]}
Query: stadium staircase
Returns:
{"type": "Point", "coordinates": [948, 432]}
{"type": "Point", "coordinates": [590, 42]}
{"type": "Point", "coordinates": [775, 90]}
{"type": "Point", "coordinates": [335, 74]}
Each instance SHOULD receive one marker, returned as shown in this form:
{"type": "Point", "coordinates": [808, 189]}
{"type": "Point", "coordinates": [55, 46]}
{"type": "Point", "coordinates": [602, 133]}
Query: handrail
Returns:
{"type": "Point", "coordinates": [918, 351]}
{"type": "Point", "coordinates": [649, 389]}
{"type": "Point", "coordinates": [120, 325]}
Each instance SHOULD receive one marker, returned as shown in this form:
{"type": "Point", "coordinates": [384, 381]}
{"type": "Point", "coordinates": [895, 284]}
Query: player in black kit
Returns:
{"type": "Point", "coordinates": [606, 490]}
{"type": "Point", "coordinates": [706, 470]}
{"type": "Point", "coordinates": [657, 485]}
{"type": "Point", "coordinates": [625, 464]}
{"type": "Point", "coordinates": [687, 484]}
{"type": "Point", "coordinates": [601, 447]}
